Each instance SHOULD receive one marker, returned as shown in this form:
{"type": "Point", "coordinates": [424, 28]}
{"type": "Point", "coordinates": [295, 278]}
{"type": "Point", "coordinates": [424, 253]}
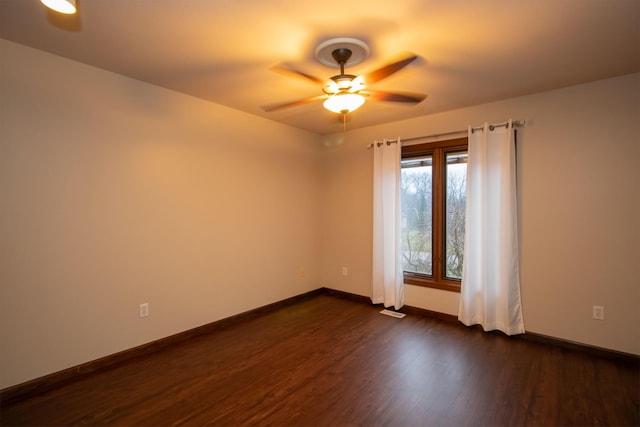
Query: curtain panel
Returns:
{"type": "Point", "coordinates": [387, 277]}
{"type": "Point", "coordinates": [490, 292]}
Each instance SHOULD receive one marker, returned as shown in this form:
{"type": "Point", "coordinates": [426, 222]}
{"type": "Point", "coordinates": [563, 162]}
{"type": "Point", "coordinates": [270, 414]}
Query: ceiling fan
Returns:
{"type": "Point", "coordinates": [344, 93]}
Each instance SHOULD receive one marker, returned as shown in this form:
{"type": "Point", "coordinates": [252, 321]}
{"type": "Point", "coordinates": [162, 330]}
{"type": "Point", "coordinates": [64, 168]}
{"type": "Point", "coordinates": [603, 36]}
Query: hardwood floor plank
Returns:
{"type": "Point", "coordinates": [330, 361]}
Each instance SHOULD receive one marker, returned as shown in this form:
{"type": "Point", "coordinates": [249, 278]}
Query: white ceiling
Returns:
{"type": "Point", "coordinates": [470, 51]}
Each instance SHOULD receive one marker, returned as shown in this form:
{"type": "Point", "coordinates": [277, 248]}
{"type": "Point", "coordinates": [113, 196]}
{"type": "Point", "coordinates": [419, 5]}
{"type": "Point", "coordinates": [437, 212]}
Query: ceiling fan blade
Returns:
{"type": "Point", "coordinates": [289, 104]}
{"type": "Point", "coordinates": [388, 69]}
{"type": "Point", "coordinates": [377, 95]}
{"type": "Point", "coordinates": [289, 70]}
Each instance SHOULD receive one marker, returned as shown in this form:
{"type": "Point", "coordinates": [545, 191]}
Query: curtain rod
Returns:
{"type": "Point", "coordinates": [515, 123]}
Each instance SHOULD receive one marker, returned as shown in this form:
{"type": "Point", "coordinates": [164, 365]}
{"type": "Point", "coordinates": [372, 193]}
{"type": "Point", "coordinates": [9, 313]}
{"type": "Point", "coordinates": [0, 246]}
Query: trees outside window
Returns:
{"type": "Point", "coordinates": [433, 196]}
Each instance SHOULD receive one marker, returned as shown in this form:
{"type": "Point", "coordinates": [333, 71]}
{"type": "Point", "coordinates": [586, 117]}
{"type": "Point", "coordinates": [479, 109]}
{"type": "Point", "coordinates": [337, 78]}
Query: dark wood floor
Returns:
{"type": "Point", "coordinates": [328, 361]}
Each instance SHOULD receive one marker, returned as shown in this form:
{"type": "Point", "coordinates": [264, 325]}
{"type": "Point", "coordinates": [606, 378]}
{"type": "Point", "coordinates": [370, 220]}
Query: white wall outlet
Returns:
{"type": "Point", "coordinates": [598, 312]}
{"type": "Point", "coordinates": [345, 271]}
{"type": "Point", "coordinates": [143, 310]}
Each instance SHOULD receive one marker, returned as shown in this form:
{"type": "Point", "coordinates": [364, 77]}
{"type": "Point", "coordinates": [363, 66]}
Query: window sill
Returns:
{"type": "Point", "coordinates": [426, 282]}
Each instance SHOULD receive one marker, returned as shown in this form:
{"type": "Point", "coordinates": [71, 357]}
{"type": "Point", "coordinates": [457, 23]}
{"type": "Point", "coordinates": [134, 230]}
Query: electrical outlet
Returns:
{"type": "Point", "coordinates": [598, 312]}
{"type": "Point", "coordinates": [143, 310]}
{"type": "Point", "coordinates": [345, 271]}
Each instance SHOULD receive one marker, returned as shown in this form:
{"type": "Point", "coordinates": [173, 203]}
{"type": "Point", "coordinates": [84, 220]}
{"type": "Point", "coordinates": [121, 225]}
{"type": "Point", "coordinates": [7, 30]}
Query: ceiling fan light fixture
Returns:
{"type": "Point", "coordinates": [344, 102]}
{"type": "Point", "coordinates": [68, 7]}
{"type": "Point", "coordinates": [343, 83]}
{"type": "Point", "coordinates": [357, 85]}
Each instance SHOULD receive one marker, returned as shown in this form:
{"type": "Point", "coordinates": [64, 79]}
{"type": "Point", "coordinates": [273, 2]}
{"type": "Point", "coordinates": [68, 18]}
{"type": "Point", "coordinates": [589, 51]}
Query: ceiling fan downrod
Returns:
{"type": "Point", "coordinates": [341, 55]}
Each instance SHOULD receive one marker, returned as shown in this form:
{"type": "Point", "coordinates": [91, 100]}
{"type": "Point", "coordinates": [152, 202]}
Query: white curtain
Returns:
{"type": "Point", "coordinates": [387, 280]}
{"type": "Point", "coordinates": [490, 294]}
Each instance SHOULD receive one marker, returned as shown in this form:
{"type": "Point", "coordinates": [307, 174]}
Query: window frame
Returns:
{"type": "Point", "coordinates": [438, 151]}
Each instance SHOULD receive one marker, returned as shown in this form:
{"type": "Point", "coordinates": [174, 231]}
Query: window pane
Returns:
{"type": "Point", "coordinates": [416, 209]}
{"type": "Point", "coordinates": [456, 179]}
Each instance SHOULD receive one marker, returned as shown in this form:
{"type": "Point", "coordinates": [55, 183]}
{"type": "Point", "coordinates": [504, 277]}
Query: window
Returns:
{"type": "Point", "coordinates": [433, 195]}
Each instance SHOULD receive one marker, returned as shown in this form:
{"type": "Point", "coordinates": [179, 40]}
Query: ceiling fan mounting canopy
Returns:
{"type": "Point", "coordinates": [341, 55]}
{"type": "Point", "coordinates": [324, 53]}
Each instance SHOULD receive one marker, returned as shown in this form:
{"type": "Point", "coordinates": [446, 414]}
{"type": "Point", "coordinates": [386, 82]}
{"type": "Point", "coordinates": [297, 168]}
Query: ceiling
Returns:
{"type": "Point", "coordinates": [469, 51]}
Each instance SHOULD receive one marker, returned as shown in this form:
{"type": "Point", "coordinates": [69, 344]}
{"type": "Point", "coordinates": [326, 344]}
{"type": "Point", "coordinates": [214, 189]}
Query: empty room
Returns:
{"type": "Point", "coordinates": [285, 213]}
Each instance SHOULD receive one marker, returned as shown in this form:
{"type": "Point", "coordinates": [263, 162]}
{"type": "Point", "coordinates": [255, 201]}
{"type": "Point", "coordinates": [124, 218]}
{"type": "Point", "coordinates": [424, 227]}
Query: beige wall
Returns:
{"type": "Point", "coordinates": [115, 192]}
{"type": "Point", "coordinates": [579, 180]}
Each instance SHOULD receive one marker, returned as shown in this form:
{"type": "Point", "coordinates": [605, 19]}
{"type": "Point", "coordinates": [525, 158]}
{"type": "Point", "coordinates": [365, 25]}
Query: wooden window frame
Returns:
{"type": "Point", "coordinates": [438, 151]}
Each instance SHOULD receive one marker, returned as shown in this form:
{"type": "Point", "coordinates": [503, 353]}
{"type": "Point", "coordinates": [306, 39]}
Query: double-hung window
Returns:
{"type": "Point", "coordinates": [433, 195]}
